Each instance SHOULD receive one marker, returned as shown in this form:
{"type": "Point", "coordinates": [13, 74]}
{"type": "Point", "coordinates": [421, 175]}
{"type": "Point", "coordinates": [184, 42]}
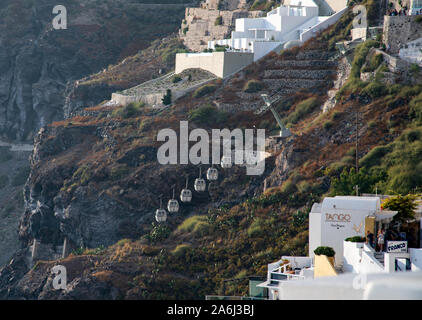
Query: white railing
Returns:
{"type": "Point", "coordinates": [288, 276]}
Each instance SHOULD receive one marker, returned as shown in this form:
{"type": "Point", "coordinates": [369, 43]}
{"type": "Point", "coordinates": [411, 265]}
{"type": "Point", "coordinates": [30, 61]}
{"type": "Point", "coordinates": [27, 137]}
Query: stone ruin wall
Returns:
{"type": "Point", "coordinates": [200, 22]}
{"type": "Point", "coordinates": [399, 31]}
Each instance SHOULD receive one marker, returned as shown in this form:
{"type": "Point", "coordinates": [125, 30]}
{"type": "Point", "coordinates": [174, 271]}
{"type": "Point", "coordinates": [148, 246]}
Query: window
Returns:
{"type": "Point", "coordinates": [417, 4]}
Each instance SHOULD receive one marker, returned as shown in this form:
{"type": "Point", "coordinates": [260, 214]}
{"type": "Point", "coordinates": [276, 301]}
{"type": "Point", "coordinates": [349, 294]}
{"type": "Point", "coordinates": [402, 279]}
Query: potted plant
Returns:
{"type": "Point", "coordinates": [326, 251]}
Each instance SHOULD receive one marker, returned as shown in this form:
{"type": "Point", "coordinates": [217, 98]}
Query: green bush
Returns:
{"type": "Point", "coordinates": [82, 175]}
{"type": "Point", "coordinates": [361, 53]}
{"type": "Point", "coordinates": [375, 89]}
{"type": "Point", "coordinates": [374, 63]}
{"type": "Point", "coordinates": [253, 86]}
{"type": "Point", "coordinates": [195, 224]}
{"type": "Point", "coordinates": [220, 48]}
{"type": "Point", "coordinates": [158, 233]}
{"type": "Point", "coordinates": [405, 206]}
{"type": "Point", "coordinates": [204, 90]}
{"type": "Point", "coordinates": [207, 115]}
{"type": "Point", "coordinates": [355, 239]}
{"type": "Point", "coordinates": [325, 251]}
{"type": "Point", "coordinates": [176, 79]}
{"type": "Point", "coordinates": [375, 156]}
{"type": "Point", "coordinates": [129, 111]}
{"type": "Point", "coordinates": [218, 21]}
{"type": "Point", "coordinates": [415, 110]}
{"type": "Point", "coordinates": [304, 108]}
{"type": "Point", "coordinates": [256, 228]}
{"type": "Point", "coordinates": [181, 250]}
{"type": "Point", "coordinates": [122, 242]}
{"type": "Point", "coordinates": [167, 98]}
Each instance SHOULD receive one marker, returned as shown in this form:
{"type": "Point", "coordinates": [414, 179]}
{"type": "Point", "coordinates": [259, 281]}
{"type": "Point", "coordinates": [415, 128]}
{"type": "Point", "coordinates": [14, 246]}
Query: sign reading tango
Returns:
{"type": "Point", "coordinates": [344, 218]}
{"type": "Point", "coordinates": [397, 246]}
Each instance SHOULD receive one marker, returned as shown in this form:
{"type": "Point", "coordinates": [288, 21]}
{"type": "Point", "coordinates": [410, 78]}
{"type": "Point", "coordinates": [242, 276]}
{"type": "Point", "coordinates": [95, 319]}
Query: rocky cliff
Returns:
{"type": "Point", "coordinates": [95, 182]}
{"type": "Point", "coordinates": [37, 62]}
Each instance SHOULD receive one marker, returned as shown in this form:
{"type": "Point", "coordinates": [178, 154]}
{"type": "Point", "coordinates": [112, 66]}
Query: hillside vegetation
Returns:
{"type": "Point", "coordinates": [235, 229]}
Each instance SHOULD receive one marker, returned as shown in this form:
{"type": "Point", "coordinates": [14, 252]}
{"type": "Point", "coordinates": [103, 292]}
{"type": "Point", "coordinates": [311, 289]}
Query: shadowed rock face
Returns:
{"type": "Point", "coordinates": [37, 62]}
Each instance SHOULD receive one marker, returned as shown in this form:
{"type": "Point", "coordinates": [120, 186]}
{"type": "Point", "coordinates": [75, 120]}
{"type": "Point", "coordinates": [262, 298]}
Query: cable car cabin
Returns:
{"type": "Point", "coordinates": [212, 174]}
{"type": "Point", "coordinates": [161, 215]}
{"type": "Point", "coordinates": [226, 162]}
{"type": "Point", "coordinates": [173, 206]}
{"type": "Point", "coordinates": [186, 195]}
{"type": "Point", "coordinates": [200, 185]}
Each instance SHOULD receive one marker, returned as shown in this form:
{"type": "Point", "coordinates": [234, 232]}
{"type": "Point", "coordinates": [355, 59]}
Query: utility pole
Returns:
{"type": "Point", "coordinates": [357, 141]}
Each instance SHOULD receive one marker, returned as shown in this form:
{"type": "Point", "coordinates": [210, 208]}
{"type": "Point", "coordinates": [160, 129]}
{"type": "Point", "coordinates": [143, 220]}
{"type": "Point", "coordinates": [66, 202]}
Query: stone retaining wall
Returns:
{"type": "Point", "coordinates": [298, 74]}
{"type": "Point", "coordinates": [320, 64]}
{"type": "Point", "coordinates": [273, 84]}
{"type": "Point", "coordinates": [154, 99]}
{"type": "Point", "coordinates": [400, 30]}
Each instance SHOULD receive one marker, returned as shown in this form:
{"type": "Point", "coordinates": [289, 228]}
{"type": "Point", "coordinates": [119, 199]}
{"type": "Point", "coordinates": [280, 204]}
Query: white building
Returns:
{"type": "Point", "coordinates": [358, 271]}
{"type": "Point", "coordinates": [297, 22]}
{"type": "Point", "coordinates": [285, 23]}
{"type": "Point", "coordinates": [336, 219]}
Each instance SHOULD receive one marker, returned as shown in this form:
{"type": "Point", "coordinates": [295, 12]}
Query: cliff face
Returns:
{"type": "Point", "coordinates": [37, 62]}
{"type": "Point", "coordinates": [151, 62]}
{"type": "Point", "coordinates": [95, 182]}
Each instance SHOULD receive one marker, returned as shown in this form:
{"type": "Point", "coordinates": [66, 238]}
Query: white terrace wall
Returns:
{"type": "Point", "coordinates": [327, 7]}
{"type": "Point", "coordinates": [222, 64]}
{"type": "Point", "coordinates": [323, 25]}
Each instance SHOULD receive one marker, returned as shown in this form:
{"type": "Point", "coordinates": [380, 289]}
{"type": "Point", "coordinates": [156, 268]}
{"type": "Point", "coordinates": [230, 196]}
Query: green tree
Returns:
{"type": "Point", "coordinates": [405, 205]}
{"type": "Point", "coordinates": [345, 184]}
{"type": "Point", "coordinates": [167, 98]}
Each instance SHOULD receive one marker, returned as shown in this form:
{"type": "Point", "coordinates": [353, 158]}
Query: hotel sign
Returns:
{"type": "Point", "coordinates": [338, 217]}
{"type": "Point", "coordinates": [338, 220]}
{"type": "Point", "coordinates": [397, 246]}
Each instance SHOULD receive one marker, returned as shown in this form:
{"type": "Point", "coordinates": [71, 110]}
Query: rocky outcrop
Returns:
{"type": "Point", "coordinates": [212, 22]}
{"type": "Point", "coordinates": [37, 62]}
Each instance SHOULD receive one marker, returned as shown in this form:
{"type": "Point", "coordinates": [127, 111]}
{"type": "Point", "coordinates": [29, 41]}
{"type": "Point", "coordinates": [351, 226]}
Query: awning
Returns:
{"type": "Point", "coordinates": [268, 285]}
{"type": "Point", "coordinates": [385, 216]}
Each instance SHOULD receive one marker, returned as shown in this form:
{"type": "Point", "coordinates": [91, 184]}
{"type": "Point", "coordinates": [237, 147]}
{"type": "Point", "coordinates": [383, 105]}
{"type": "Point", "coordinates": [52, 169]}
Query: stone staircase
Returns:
{"type": "Point", "coordinates": [380, 257]}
